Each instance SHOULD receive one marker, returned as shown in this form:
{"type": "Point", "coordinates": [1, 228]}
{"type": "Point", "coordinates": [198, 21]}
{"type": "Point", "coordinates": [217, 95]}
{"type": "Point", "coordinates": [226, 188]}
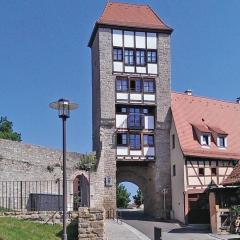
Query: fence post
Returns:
{"type": "Point", "coordinates": [157, 233]}
{"type": "Point", "coordinates": [21, 201]}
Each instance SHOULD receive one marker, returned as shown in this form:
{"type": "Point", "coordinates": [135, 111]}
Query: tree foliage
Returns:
{"type": "Point", "coordinates": [138, 198]}
{"type": "Point", "coordinates": [87, 162]}
{"type": "Point", "coordinates": [6, 130]}
{"type": "Point", "coordinates": [123, 196]}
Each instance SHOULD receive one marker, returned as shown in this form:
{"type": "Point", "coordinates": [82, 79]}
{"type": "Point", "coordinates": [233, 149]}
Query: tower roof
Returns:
{"type": "Point", "coordinates": [127, 15]}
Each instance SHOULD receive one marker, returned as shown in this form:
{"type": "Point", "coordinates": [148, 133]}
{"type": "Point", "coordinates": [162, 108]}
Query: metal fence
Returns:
{"type": "Point", "coordinates": [43, 195]}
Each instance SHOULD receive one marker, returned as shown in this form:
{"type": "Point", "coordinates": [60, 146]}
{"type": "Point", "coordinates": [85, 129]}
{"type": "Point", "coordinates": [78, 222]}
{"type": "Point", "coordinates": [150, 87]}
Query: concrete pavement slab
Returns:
{"type": "Point", "coordinates": [122, 231]}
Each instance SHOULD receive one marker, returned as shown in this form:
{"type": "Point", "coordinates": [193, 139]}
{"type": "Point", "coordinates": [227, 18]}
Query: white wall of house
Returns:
{"type": "Point", "coordinates": [177, 181]}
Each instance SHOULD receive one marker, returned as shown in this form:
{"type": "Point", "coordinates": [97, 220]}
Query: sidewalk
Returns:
{"type": "Point", "coordinates": [122, 231]}
{"type": "Point", "coordinates": [225, 236]}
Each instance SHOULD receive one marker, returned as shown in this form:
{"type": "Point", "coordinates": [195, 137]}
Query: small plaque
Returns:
{"type": "Point", "coordinates": [108, 181]}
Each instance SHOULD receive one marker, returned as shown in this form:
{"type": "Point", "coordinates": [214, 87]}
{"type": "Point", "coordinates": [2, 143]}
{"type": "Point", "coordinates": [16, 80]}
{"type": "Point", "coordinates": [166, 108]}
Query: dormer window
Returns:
{"type": "Point", "coordinates": [221, 141]}
{"type": "Point", "coordinates": [205, 139]}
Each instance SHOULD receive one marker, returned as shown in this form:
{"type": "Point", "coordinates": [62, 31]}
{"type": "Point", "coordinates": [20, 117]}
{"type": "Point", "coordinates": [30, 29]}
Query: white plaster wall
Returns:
{"type": "Point", "coordinates": [151, 40]}
{"type": "Point", "coordinates": [122, 151]}
{"type": "Point", "coordinates": [117, 38]}
{"type": "Point", "coordinates": [128, 39]}
{"type": "Point", "coordinates": [121, 121]}
{"type": "Point", "coordinates": [149, 151]}
{"type": "Point", "coordinates": [149, 122]}
{"type": "Point", "coordinates": [178, 181]}
{"type": "Point", "coordinates": [140, 40]}
{"type": "Point", "coordinates": [117, 66]}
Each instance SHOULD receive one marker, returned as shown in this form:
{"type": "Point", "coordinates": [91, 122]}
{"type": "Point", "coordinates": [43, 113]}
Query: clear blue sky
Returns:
{"type": "Point", "coordinates": [44, 56]}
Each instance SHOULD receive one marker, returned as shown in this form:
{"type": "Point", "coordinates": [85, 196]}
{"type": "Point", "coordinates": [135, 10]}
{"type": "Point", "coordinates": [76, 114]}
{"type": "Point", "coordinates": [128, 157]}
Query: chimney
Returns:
{"type": "Point", "coordinates": [238, 100]}
{"type": "Point", "coordinates": [189, 92]}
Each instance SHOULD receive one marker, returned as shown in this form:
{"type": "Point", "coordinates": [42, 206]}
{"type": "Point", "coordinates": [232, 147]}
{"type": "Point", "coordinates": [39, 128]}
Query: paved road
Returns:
{"type": "Point", "coordinates": [170, 230]}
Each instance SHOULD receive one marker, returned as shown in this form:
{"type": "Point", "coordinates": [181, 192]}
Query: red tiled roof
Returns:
{"type": "Point", "coordinates": [234, 177]}
{"type": "Point", "coordinates": [219, 116]}
{"type": "Point", "coordinates": [130, 16]}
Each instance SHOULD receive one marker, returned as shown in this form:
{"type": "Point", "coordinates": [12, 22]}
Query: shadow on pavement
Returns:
{"type": "Point", "coordinates": [188, 230]}
{"type": "Point", "coordinates": [136, 215]}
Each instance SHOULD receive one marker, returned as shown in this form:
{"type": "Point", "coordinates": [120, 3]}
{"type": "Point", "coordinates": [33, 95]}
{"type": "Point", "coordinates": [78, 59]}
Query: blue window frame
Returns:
{"type": "Point", "coordinates": [152, 56]}
{"type": "Point", "coordinates": [129, 56]}
{"type": "Point", "coordinates": [140, 58]}
{"type": "Point", "coordinates": [136, 85]}
{"type": "Point", "coordinates": [122, 85]}
{"type": "Point", "coordinates": [148, 140]}
{"type": "Point", "coordinates": [135, 118]}
{"type": "Point", "coordinates": [117, 54]}
{"type": "Point", "coordinates": [135, 141]}
{"type": "Point", "coordinates": [149, 86]}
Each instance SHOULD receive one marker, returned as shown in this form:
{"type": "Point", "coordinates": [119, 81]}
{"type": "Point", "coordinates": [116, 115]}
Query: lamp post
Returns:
{"type": "Point", "coordinates": [64, 106]}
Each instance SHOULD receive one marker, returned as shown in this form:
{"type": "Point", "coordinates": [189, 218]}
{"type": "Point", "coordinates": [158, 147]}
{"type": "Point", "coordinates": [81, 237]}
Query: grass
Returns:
{"type": "Point", "coordinates": [14, 229]}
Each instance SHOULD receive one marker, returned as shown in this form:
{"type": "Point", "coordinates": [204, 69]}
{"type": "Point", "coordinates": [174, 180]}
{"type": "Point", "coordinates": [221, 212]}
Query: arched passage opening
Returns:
{"type": "Point", "coordinates": [81, 190]}
{"type": "Point", "coordinates": [139, 176]}
{"type": "Point", "coordinates": [130, 196]}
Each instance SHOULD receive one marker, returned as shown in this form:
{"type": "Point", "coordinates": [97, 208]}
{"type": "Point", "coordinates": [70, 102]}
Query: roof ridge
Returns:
{"type": "Point", "coordinates": [206, 98]}
{"type": "Point", "coordinates": [126, 3]}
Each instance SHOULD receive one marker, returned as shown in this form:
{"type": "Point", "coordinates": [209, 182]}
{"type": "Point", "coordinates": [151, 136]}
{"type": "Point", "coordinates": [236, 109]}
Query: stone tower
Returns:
{"type": "Point", "coordinates": [130, 48]}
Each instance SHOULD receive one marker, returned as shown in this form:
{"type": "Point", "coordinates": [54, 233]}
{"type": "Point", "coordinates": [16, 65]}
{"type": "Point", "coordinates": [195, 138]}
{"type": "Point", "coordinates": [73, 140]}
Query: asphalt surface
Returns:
{"type": "Point", "coordinates": [170, 230]}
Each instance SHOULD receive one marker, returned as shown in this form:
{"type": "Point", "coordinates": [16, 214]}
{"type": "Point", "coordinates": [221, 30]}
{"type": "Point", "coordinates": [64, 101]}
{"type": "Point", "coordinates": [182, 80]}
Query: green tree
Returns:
{"type": "Point", "coordinates": [138, 198]}
{"type": "Point", "coordinates": [6, 130]}
{"type": "Point", "coordinates": [123, 196]}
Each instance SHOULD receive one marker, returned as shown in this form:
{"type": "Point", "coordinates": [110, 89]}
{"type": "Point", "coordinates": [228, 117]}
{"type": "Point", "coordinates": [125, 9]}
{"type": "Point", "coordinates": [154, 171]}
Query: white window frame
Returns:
{"type": "Point", "coordinates": [209, 140]}
{"type": "Point", "coordinates": [225, 141]}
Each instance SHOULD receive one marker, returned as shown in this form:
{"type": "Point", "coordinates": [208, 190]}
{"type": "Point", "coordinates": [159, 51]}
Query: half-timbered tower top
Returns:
{"type": "Point", "coordinates": [125, 15]}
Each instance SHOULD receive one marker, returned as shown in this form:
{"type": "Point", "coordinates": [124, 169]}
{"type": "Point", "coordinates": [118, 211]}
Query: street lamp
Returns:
{"type": "Point", "coordinates": [64, 106]}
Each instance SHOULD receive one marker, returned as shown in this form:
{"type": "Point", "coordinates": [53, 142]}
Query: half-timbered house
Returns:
{"type": "Point", "coordinates": [205, 147]}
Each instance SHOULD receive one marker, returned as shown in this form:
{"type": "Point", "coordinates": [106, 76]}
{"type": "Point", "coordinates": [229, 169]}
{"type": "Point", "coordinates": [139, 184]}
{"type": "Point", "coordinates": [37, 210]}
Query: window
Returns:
{"type": "Point", "coordinates": [214, 171]}
{"type": "Point", "coordinates": [117, 54]}
{"type": "Point", "coordinates": [122, 139]}
{"type": "Point", "coordinates": [122, 85]}
{"type": "Point", "coordinates": [205, 140]}
{"type": "Point", "coordinates": [149, 86]}
{"type": "Point", "coordinates": [148, 111]}
{"type": "Point", "coordinates": [152, 56]}
{"type": "Point", "coordinates": [173, 141]}
{"type": "Point", "coordinates": [136, 85]}
{"type": "Point", "coordinates": [148, 140]}
{"type": "Point", "coordinates": [129, 56]}
{"type": "Point", "coordinates": [140, 57]}
{"type": "Point", "coordinates": [221, 142]}
{"type": "Point", "coordinates": [135, 141]}
{"type": "Point", "coordinates": [201, 171]}
{"type": "Point", "coordinates": [174, 170]}
{"type": "Point", "coordinates": [135, 119]}
{"type": "Point", "coordinates": [121, 109]}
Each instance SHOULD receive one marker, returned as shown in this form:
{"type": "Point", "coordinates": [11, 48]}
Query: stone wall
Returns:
{"type": "Point", "coordinates": [31, 177]}
{"type": "Point", "coordinates": [91, 224]}
{"type": "Point", "coordinates": [49, 217]}
{"type": "Point", "coordinates": [25, 162]}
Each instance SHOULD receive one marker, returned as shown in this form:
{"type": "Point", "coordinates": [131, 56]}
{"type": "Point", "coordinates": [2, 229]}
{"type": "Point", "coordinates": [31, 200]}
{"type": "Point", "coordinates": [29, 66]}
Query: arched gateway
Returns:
{"type": "Point", "coordinates": [131, 104]}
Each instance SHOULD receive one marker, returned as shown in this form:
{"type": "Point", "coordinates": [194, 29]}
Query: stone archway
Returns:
{"type": "Point", "coordinates": [81, 190]}
{"type": "Point", "coordinates": [140, 177]}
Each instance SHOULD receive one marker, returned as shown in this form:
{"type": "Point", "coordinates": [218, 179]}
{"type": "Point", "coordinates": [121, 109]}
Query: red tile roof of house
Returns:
{"type": "Point", "coordinates": [130, 16]}
{"type": "Point", "coordinates": [234, 177]}
{"type": "Point", "coordinates": [217, 116]}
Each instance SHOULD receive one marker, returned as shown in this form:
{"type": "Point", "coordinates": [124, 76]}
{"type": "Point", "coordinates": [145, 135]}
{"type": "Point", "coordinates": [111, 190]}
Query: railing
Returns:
{"type": "Point", "coordinates": [41, 195]}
